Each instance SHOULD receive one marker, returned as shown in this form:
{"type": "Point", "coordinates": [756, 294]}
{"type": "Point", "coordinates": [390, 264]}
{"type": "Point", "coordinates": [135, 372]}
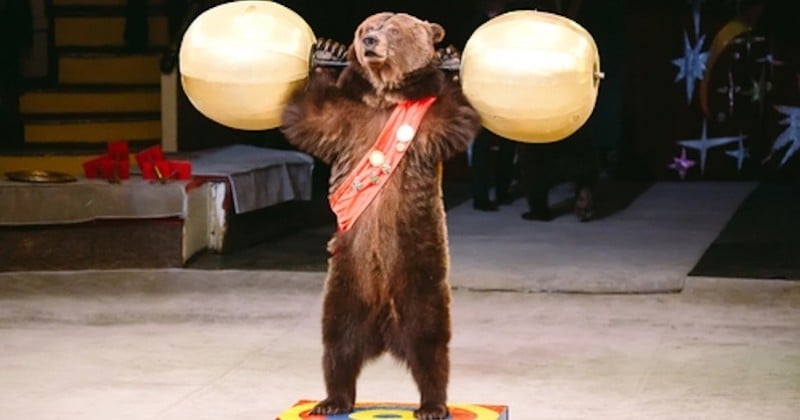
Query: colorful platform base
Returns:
{"type": "Point", "coordinates": [399, 411]}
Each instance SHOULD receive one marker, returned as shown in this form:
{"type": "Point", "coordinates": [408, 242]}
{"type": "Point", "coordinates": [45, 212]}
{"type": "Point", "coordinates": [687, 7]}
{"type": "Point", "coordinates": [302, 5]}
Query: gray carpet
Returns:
{"type": "Point", "coordinates": [650, 246]}
{"type": "Point", "coordinates": [647, 239]}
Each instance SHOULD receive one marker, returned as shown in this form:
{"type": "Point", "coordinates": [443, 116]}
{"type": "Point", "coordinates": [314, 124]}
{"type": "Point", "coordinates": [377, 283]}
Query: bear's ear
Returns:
{"type": "Point", "coordinates": [437, 32]}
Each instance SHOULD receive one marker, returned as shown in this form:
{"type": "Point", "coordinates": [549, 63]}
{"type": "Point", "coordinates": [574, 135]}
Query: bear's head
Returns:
{"type": "Point", "coordinates": [389, 46]}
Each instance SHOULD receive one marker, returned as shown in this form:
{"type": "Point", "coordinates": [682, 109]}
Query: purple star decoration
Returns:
{"type": "Point", "coordinates": [681, 163]}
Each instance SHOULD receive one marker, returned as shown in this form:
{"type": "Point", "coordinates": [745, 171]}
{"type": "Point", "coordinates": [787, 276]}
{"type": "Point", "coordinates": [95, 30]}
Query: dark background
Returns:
{"type": "Point", "coordinates": [641, 110]}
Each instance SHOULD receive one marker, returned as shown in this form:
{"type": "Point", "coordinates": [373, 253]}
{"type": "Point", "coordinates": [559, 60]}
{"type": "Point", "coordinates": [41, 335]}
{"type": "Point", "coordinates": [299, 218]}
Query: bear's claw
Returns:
{"type": "Point", "coordinates": [432, 412]}
{"type": "Point", "coordinates": [332, 406]}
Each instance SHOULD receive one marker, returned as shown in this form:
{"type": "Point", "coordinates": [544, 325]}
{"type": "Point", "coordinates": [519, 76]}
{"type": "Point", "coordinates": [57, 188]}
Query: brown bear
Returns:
{"type": "Point", "coordinates": [387, 287]}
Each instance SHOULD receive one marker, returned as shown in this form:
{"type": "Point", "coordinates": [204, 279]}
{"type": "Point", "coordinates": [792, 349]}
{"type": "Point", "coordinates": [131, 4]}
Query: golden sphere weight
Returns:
{"type": "Point", "coordinates": [532, 76]}
{"type": "Point", "coordinates": [240, 62]}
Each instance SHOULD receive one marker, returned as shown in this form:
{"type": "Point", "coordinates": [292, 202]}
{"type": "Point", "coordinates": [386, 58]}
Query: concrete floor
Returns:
{"type": "Point", "coordinates": [246, 345]}
{"type": "Point", "coordinates": [197, 344]}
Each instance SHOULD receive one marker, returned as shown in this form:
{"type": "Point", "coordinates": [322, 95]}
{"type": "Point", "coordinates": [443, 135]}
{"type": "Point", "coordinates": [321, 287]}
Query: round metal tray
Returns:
{"type": "Point", "coordinates": [40, 177]}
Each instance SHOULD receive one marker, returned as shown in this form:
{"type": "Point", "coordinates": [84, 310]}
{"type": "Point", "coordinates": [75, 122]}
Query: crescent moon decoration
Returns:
{"type": "Point", "coordinates": [692, 65]}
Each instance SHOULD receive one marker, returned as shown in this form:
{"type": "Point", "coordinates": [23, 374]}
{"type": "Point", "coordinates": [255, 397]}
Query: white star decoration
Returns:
{"type": "Point", "coordinates": [758, 89]}
{"type": "Point", "coordinates": [740, 154]}
{"type": "Point", "coordinates": [692, 65]}
{"type": "Point", "coordinates": [704, 143]}
{"type": "Point", "coordinates": [749, 40]}
{"type": "Point", "coordinates": [696, 15]}
{"type": "Point", "coordinates": [790, 136]}
{"type": "Point", "coordinates": [771, 63]}
{"type": "Point", "coordinates": [730, 90]}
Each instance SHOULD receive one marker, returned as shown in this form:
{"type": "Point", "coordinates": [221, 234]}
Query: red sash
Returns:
{"type": "Point", "coordinates": [369, 176]}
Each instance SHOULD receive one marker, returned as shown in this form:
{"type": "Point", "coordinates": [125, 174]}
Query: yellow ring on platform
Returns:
{"type": "Point", "coordinates": [384, 413]}
{"type": "Point", "coordinates": [481, 413]}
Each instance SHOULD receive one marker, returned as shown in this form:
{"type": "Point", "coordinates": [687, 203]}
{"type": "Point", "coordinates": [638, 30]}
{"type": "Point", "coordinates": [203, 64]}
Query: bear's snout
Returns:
{"type": "Point", "coordinates": [370, 41]}
{"type": "Point", "coordinates": [373, 46]}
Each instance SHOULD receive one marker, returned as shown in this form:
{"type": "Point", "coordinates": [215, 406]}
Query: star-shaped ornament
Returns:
{"type": "Point", "coordinates": [791, 135]}
{"type": "Point", "coordinates": [771, 62]}
{"type": "Point", "coordinates": [692, 65]}
{"type": "Point", "coordinates": [681, 164]}
{"type": "Point", "coordinates": [748, 41]}
{"type": "Point", "coordinates": [696, 15]}
{"type": "Point", "coordinates": [758, 89]}
{"type": "Point", "coordinates": [740, 154]}
{"type": "Point", "coordinates": [704, 143]}
{"type": "Point", "coordinates": [730, 90]}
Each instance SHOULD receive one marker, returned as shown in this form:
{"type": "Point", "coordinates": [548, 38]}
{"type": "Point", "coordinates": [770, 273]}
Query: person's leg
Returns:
{"type": "Point", "coordinates": [536, 180]}
{"type": "Point", "coordinates": [504, 170]}
{"type": "Point", "coordinates": [479, 167]}
{"type": "Point", "coordinates": [584, 171]}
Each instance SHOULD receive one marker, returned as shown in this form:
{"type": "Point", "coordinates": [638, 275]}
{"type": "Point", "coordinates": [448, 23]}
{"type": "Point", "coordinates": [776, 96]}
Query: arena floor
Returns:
{"type": "Point", "coordinates": [621, 332]}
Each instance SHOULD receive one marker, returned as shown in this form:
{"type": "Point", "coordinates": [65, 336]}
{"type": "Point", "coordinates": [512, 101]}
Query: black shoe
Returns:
{"type": "Point", "coordinates": [505, 200]}
{"type": "Point", "coordinates": [484, 205]}
{"type": "Point", "coordinates": [538, 216]}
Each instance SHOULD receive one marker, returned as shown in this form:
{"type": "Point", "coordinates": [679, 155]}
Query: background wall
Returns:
{"type": "Point", "coordinates": [644, 108]}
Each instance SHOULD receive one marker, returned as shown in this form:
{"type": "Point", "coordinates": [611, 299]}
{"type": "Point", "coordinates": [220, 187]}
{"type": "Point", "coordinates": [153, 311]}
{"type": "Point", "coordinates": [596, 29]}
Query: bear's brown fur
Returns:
{"type": "Point", "coordinates": [387, 286]}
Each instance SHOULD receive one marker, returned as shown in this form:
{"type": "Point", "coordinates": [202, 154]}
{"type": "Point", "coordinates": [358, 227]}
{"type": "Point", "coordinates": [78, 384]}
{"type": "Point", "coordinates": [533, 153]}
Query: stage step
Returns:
{"type": "Point", "coordinates": [87, 99]}
{"type": "Point", "coordinates": [71, 164]}
{"type": "Point", "coordinates": [70, 31]}
{"type": "Point", "coordinates": [120, 3]}
{"type": "Point", "coordinates": [107, 67]}
{"type": "Point", "coordinates": [92, 128]}
{"type": "Point", "coordinates": [104, 90]}
{"type": "Point", "coordinates": [61, 157]}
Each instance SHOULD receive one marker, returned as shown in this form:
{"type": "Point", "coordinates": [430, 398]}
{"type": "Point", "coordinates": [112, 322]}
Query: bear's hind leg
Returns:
{"type": "Point", "coordinates": [430, 365]}
{"type": "Point", "coordinates": [346, 346]}
{"type": "Point", "coordinates": [341, 368]}
{"type": "Point", "coordinates": [423, 344]}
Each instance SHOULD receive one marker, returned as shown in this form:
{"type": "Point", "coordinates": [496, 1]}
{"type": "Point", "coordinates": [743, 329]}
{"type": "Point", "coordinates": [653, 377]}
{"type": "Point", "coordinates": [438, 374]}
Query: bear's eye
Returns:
{"type": "Point", "coordinates": [394, 31]}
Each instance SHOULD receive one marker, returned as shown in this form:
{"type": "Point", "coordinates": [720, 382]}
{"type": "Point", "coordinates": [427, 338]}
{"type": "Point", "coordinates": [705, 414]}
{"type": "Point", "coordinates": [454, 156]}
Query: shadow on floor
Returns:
{"type": "Point", "coordinates": [304, 249]}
